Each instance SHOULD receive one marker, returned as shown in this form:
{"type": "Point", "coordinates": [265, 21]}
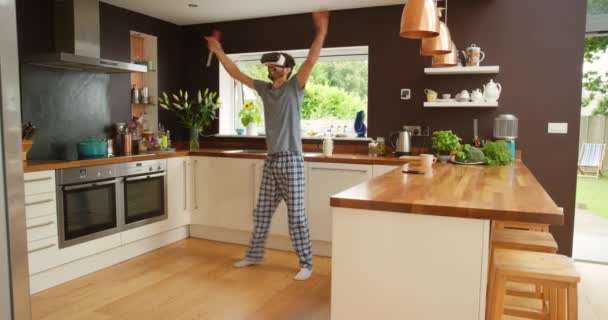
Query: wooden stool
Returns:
{"type": "Point", "coordinates": [524, 240]}
{"type": "Point", "coordinates": [555, 273]}
{"type": "Point", "coordinates": [496, 225]}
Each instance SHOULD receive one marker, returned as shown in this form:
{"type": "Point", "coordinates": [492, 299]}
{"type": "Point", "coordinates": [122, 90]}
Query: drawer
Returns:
{"type": "Point", "coordinates": [43, 254]}
{"type": "Point", "coordinates": [39, 182]}
{"type": "Point", "coordinates": [41, 227]}
{"type": "Point", "coordinates": [38, 205]}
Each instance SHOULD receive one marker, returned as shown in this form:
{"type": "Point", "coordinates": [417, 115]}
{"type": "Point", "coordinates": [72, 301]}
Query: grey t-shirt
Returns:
{"type": "Point", "coordinates": [282, 107]}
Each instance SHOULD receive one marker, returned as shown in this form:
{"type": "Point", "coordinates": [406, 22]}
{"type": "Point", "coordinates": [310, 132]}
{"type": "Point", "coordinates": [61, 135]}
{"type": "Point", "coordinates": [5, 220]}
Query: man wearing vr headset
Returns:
{"type": "Point", "coordinates": [283, 177]}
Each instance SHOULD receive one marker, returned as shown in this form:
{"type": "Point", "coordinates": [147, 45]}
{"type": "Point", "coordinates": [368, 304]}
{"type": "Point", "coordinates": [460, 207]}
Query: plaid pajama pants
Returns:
{"type": "Point", "coordinates": [283, 179]}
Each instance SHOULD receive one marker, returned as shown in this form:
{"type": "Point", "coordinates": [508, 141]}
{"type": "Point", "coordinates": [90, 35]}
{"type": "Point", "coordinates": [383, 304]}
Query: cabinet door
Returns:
{"type": "Point", "coordinates": [230, 183]}
{"type": "Point", "coordinates": [177, 191]}
{"type": "Point", "coordinates": [279, 220]}
{"type": "Point", "coordinates": [380, 169]}
{"type": "Point", "coordinates": [325, 180]}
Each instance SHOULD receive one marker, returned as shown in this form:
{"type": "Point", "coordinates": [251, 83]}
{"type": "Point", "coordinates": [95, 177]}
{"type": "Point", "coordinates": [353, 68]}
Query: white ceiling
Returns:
{"type": "Point", "coordinates": [178, 12]}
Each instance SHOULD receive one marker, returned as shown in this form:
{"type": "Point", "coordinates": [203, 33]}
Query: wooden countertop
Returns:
{"type": "Point", "coordinates": [468, 191]}
{"type": "Point", "coordinates": [43, 165]}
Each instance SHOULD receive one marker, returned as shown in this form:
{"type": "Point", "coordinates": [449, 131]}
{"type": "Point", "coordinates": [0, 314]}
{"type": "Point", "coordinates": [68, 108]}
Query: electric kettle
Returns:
{"type": "Point", "coordinates": [401, 141]}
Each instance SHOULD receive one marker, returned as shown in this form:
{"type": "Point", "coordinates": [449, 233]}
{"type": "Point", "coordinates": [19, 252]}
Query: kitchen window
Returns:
{"type": "Point", "coordinates": [335, 92]}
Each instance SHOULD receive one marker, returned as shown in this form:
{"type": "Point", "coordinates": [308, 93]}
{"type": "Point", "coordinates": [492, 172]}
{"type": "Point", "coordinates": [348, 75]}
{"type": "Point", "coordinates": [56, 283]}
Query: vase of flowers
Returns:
{"type": "Point", "coordinates": [251, 117]}
{"type": "Point", "coordinates": [195, 114]}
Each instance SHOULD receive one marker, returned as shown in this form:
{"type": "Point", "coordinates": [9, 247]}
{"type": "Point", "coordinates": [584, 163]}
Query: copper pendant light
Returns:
{"type": "Point", "coordinates": [446, 60]}
{"type": "Point", "coordinates": [441, 44]}
{"type": "Point", "coordinates": [419, 20]}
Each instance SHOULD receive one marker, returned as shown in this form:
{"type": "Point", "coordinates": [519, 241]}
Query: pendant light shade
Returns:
{"type": "Point", "coordinates": [419, 20]}
{"type": "Point", "coordinates": [446, 60]}
{"type": "Point", "coordinates": [441, 44]}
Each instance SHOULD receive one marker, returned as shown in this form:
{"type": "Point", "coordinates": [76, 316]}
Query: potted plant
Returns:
{"type": "Point", "coordinates": [250, 117]}
{"type": "Point", "coordinates": [444, 142]}
{"type": "Point", "coordinates": [194, 114]}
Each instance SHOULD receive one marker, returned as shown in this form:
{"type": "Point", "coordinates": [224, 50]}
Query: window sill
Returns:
{"type": "Point", "coordinates": [303, 138]}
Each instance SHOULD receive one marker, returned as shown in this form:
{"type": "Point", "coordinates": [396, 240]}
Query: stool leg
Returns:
{"type": "Point", "coordinates": [572, 302]}
{"type": "Point", "coordinates": [553, 303]}
{"type": "Point", "coordinates": [561, 304]}
{"type": "Point", "coordinates": [498, 300]}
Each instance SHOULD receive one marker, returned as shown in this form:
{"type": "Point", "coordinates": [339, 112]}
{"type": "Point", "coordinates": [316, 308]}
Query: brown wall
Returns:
{"type": "Point", "coordinates": [36, 34]}
{"type": "Point", "coordinates": [538, 45]}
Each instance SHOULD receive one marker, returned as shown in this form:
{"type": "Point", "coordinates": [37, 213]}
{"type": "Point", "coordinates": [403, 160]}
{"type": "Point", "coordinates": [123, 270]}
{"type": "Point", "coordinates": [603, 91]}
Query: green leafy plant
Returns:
{"type": "Point", "coordinates": [497, 153]}
{"type": "Point", "coordinates": [192, 113]}
{"type": "Point", "coordinates": [250, 113]}
{"type": "Point", "coordinates": [445, 141]}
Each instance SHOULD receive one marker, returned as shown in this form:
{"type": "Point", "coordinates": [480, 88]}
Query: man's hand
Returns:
{"type": "Point", "coordinates": [320, 20]}
{"type": "Point", "coordinates": [214, 45]}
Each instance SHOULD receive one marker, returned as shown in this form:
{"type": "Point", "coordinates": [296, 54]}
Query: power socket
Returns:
{"type": "Point", "coordinates": [557, 127]}
{"type": "Point", "coordinates": [406, 94]}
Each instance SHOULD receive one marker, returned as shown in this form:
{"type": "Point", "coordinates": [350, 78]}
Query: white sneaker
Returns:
{"type": "Point", "coordinates": [245, 263]}
{"type": "Point", "coordinates": [303, 274]}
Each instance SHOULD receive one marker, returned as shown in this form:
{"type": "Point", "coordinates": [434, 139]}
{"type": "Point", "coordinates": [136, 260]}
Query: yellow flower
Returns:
{"type": "Point", "coordinates": [248, 105]}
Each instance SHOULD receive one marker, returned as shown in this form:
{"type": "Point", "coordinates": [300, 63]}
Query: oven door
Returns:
{"type": "Point", "coordinates": [145, 199]}
{"type": "Point", "coordinates": [89, 211]}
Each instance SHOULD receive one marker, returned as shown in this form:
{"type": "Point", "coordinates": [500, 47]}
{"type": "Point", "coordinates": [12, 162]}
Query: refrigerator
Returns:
{"type": "Point", "coordinates": [14, 275]}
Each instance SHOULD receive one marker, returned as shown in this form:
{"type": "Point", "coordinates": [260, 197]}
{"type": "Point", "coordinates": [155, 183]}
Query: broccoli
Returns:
{"type": "Point", "coordinates": [461, 157]}
{"type": "Point", "coordinates": [474, 154]}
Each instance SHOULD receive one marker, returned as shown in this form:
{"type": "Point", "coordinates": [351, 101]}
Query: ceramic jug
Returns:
{"type": "Point", "coordinates": [491, 91]}
{"type": "Point", "coordinates": [476, 96]}
{"type": "Point", "coordinates": [473, 56]}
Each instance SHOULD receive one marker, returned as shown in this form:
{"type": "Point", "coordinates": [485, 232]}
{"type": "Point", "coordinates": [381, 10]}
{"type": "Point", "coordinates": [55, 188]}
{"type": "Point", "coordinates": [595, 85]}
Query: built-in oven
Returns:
{"type": "Point", "coordinates": [145, 196]}
{"type": "Point", "coordinates": [89, 203]}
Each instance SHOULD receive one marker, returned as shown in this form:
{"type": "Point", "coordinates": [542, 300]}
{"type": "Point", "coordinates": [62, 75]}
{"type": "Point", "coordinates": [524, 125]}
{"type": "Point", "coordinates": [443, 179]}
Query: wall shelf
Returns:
{"type": "Point", "coordinates": [461, 104]}
{"type": "Point", "coordinates": [463, 70]}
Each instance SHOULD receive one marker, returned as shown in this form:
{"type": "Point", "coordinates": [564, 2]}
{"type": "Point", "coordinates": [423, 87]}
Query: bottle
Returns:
{"type": "Point", "coordinates": [372, 149]}
{"type": "Point", "coordinates": [381, 147]}
{"type": "Point", "coordinates": [328, 146]}
{"type": "Point", "coordinates": [135, 97]}
{"type": "Point", "coordinates": [168, 139]}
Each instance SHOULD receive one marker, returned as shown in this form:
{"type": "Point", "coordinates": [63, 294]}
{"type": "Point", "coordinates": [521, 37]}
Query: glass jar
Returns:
{"type": "Point", "coordinates": [381, 147]}
{"type": "Point", "coordinates": [372, 149]}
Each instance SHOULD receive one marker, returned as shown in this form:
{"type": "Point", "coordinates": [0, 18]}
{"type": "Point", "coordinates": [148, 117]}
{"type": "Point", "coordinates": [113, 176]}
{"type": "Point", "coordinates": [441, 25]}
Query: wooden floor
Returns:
{"type": "Point", "coordinates": [192, 279]}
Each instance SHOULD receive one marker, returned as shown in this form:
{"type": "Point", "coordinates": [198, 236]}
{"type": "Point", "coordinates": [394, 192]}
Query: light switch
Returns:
{"type": "Point", "coordinates": [557, 127]}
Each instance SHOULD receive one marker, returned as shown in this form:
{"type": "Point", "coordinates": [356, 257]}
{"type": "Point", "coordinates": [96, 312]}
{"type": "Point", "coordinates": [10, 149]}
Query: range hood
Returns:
{"type": "Point", "coordinates": [77, 41]}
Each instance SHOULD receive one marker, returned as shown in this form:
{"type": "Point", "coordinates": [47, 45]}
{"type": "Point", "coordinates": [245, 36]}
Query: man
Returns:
{"type": "Point", "coordinates": [283, 176]}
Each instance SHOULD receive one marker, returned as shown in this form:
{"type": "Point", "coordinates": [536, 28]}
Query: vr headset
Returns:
{"type": "Point", "coordinates": [277, 59]}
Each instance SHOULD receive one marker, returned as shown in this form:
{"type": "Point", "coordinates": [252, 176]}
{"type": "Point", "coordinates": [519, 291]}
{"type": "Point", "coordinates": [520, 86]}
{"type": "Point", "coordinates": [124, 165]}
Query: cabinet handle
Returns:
{"type": "Point", "coordinates": [185, 186]}
{"type": "Point", "coordinates": [38, 202]}
{"type": "Point", "coordinates": [340, 169]}
{"type": "Point", "coordinates": [50, 245]}
{"type": "Point", "coordinates": [194, 183]}
{"type": "Point", "coordinates": [44, 224]}
{"type": "Point", "coordinates": [38, 179]}
{"type": "Point", "coordinates": [255, 178]}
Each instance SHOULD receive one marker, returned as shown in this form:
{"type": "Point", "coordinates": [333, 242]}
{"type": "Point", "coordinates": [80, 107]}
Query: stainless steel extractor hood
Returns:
{"type": "Point", "coordinates": [77, 41]}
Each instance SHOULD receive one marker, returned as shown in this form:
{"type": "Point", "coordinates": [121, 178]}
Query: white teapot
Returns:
{"type": "Point", "coordinates": [491, 91]}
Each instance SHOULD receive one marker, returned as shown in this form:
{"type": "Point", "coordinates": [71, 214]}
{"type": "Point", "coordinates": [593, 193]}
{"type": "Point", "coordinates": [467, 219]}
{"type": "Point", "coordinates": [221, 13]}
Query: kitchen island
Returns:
{"type": "Point", "coordinates": [409, 246]}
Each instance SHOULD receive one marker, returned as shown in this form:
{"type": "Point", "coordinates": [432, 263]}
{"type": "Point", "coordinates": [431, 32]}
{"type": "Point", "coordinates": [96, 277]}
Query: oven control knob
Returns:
{"type": "Point", "coordinates": [158, 167]}
{"type": "Point", "coordinates": [150, 169]}
{"type": "Point", "coordinates": [99, 174]}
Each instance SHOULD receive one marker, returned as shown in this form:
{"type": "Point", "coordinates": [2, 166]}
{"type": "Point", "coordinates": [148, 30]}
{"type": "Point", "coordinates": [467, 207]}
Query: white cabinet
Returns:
{"type": "Point", "coordinates": [279, 224]}
{"type": "Point", "coordinates": [325, 180]}
{"type": "Point", "coordinates": [179, 191]}
{"type": "Point", "coordinates": [226, 192]}
{"type": "Point", "coordinates": [380, 169]}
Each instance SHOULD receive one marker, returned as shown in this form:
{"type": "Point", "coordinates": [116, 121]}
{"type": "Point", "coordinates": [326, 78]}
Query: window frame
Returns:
{"type": "Point", "coordinates": [230, 89]}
